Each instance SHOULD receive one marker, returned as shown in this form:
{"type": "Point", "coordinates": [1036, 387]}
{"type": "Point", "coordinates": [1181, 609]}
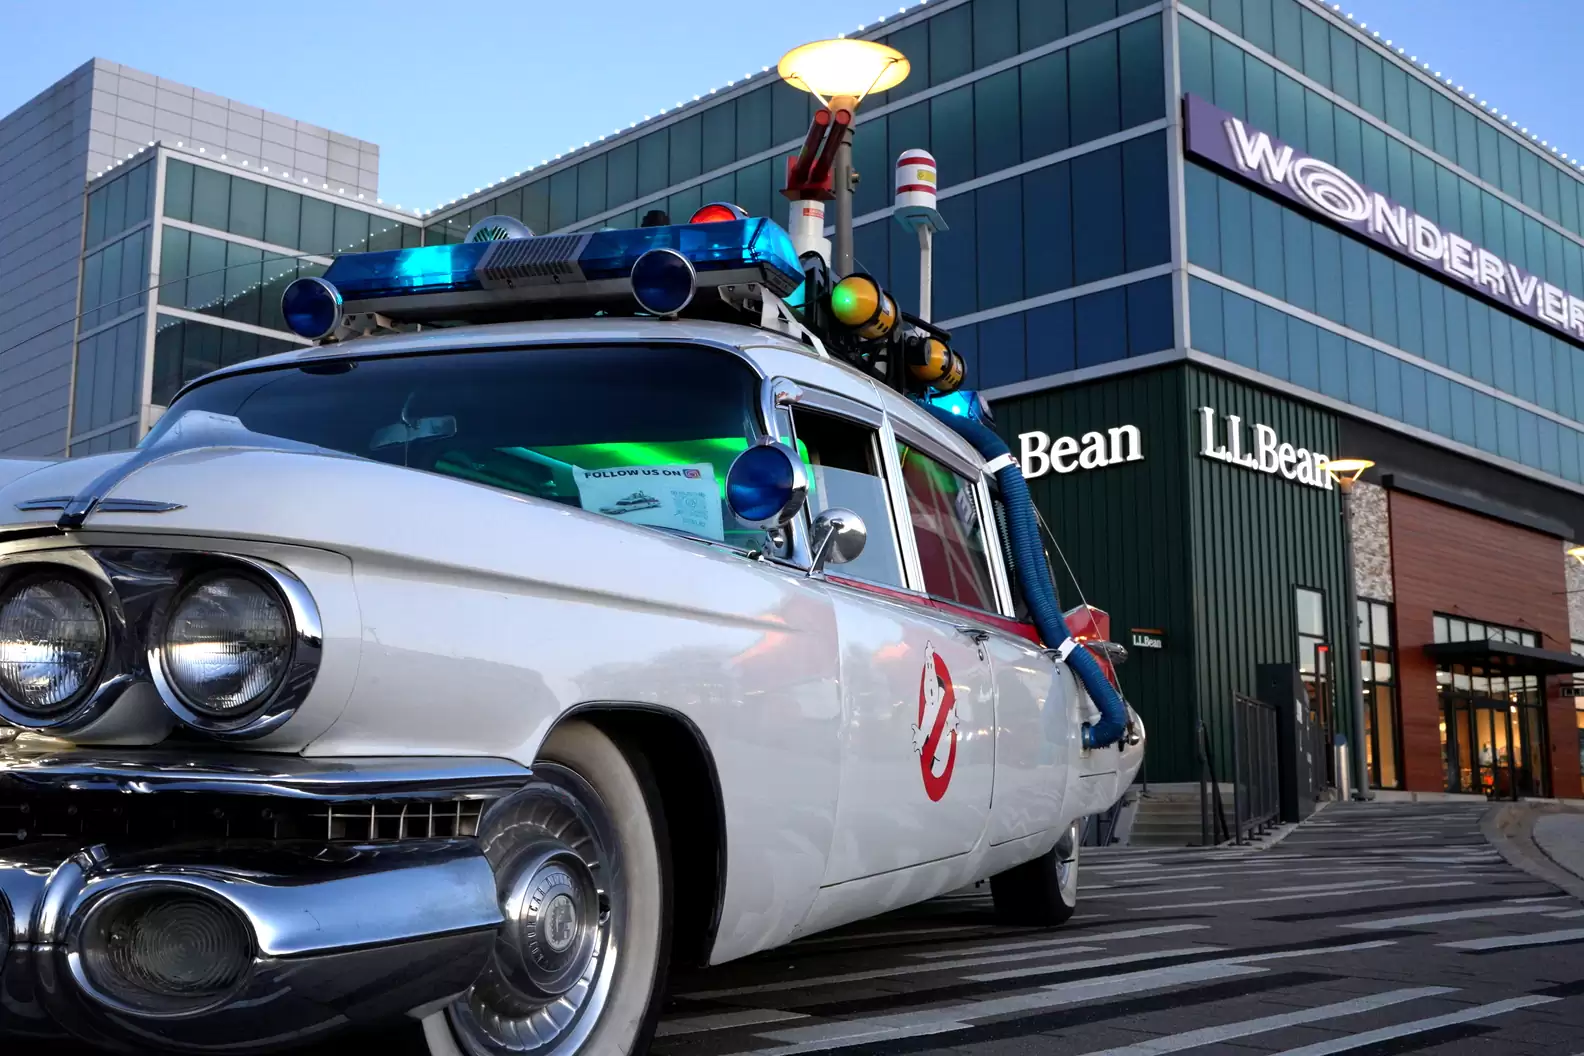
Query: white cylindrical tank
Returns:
{"type": "Point", "coordinates": [806, 225]}
{"type": "Point", "coordinates": [916, 181]}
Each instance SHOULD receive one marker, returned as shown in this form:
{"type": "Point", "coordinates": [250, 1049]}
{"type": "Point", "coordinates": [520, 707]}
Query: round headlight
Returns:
{"type": "Point", "coordinates": [227, 645]}
{"type": "Point", "coordinates": [52, 641]}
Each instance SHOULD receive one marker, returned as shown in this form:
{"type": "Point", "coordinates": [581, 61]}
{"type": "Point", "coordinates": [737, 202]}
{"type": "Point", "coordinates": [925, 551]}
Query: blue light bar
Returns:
{"type": "Point", "coordinates": [400, 272]}
{"type": "Point", "coordinates": [448, 281]}
{"type": "Point", "coordinates": [724, 246]}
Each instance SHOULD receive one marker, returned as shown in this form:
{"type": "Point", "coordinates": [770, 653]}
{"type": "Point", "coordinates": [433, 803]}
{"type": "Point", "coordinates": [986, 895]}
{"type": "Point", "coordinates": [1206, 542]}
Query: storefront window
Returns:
{"type": "Point", "coordinates": [1378, 672]}
{"type": "Point", "coordinates": [1493, 728]}
{"type": "Point", "coordinates": [1578, 702]}
{"type": "Point", "coordinates": [1314, 655]}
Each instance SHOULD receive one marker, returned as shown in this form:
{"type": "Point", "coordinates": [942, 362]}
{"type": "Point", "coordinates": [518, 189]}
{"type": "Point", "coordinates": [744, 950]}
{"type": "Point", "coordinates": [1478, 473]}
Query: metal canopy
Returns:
{"type": "Point", "coordinates": [1507, 657]}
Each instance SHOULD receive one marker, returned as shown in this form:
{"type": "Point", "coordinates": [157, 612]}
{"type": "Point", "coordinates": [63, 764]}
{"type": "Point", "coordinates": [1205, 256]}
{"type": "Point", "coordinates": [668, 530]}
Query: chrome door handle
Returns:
{"type": "Point", "coordinates": [975, 633]}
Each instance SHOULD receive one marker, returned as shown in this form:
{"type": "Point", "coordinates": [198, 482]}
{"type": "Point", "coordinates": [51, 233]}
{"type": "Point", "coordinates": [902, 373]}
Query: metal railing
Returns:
{"type": "Point", "coordinates": [1255, 762]}
{"type": "Point", "coordinates": [1099, 830]}
{"type": "Point", "coordinates": [1210, 795]}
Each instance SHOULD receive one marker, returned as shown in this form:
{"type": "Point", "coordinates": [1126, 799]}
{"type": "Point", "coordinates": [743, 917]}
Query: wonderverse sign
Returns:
{"type": "Point", "coordinates": [1225, 141]}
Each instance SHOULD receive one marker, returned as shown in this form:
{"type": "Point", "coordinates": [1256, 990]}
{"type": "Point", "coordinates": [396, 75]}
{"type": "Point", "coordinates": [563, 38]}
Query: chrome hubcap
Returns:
{"type": "Point", "coordinates": [559, 880]}
{"type": "Point", "coordinates": [552, 922]}
{"type": "Point", "coordinates": [1067, 865]}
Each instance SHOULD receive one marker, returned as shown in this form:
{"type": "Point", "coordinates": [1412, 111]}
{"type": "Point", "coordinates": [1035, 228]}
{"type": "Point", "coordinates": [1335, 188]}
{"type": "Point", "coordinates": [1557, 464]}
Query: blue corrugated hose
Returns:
{"type": "Point", "coordinates": [1038, 588]}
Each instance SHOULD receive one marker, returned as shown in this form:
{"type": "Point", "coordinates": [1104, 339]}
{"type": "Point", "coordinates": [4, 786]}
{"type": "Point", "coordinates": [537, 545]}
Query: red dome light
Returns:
{"type": "Point", "coordinates": [718, 212]}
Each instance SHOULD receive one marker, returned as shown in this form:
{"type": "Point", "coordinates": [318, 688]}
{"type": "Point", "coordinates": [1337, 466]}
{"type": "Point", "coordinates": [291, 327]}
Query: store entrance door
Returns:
{"type": "Point", "coordinates": [1494, 747]}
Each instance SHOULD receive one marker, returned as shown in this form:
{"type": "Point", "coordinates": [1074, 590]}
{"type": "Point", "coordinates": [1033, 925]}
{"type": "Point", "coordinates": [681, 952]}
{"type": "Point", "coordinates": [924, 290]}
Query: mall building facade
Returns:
{"type": "Point", "coordinates": [1228, 238]}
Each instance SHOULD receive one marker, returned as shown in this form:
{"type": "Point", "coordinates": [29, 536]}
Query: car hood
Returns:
{"type": "Point", "coordinates": [37, 494]}
{"type": "Point", "coordinates": [24, 483]}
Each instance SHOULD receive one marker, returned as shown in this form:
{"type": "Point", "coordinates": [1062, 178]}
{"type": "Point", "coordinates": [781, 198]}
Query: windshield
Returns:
{"type": "Point", "coordinates": [641, 433]}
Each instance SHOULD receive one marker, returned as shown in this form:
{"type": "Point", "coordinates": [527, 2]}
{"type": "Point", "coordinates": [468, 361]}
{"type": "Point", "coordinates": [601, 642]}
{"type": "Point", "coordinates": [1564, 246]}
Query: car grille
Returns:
{"type": "Point", "coordinates": [108, 817]}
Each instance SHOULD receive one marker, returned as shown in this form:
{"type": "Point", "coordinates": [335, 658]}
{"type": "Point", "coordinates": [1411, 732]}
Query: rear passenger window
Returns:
{"type": "Point", "coordinates": [948, 530]}
{"type": "Point", "coordinates": [843, 463]}
{"type": "Point", "coordinates": [1020, 608]}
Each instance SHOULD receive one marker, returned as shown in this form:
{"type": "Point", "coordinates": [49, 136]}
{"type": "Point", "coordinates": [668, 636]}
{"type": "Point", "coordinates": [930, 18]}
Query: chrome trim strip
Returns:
{"type": "Point", "coordinates": [916, 438]}
{"type": "Point", "coordinates": [145, 771]}
{"type": "Point", "coordinates": [406, 892]}
{"type": "Point", "coordinates": [842, 406]}
{"type": "Point", "coordinates": [288, 695]}
{"type": "Point", "coordinates": [61, 502]}
{"type": "Point", "coordinates": [341, 936]}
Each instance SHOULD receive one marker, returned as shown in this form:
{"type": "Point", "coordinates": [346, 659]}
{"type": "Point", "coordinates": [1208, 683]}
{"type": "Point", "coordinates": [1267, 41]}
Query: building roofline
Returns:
{"type": "Point", "coordinates": [917, 12]}
{"type": "Point", "coordinates": [1469, 100]}
{"type": "Point", "coordinates": [269, 179]}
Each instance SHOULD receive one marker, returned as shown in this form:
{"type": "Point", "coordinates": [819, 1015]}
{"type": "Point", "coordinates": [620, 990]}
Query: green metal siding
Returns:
{"type": "Point", "coordinates": [1208, 552]}
{"type": "Point", "coordinates": [1256, 538]}
{"type": "Point", "coordinates": [1122, 528]}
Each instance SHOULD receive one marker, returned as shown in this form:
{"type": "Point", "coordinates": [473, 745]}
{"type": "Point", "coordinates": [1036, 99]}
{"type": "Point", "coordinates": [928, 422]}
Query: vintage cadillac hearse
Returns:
{"type": "Point", "coordinates": [467, 677]}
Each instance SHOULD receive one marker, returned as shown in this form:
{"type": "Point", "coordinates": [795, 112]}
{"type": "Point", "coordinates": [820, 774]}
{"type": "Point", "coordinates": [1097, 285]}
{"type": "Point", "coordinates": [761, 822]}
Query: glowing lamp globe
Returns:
{"type": "Point", "coordinates": [1345, 471]}
{"type": "Point", "coordinates": [851, 68]}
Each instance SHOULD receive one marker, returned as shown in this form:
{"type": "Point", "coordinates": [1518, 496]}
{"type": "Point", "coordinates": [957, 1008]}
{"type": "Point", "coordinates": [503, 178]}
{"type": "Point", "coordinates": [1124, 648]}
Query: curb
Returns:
{"type": "Point", "coordinates": [1510, 829]}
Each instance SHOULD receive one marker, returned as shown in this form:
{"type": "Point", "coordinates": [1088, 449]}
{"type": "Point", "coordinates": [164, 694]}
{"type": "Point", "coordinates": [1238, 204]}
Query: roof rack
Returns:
{"type": "Point", "coordinates": [722, 265]}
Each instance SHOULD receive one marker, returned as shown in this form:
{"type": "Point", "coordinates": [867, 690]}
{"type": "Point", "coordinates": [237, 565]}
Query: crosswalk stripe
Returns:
{"type": "Point", "coordinates": [1031, 944]}
{"type": "Point", "coordinates": [1093, 962]}
{"type": "Point", "coordinates": [1418, 1026]}
{"type": "Point", "coordinates": [1155, 893]}
{"type": "Point", "coordinates": [845, 1033]}
{"type": "Point", "coordinates": [1345, 887]}
{"type": "Point", "coordinates": [1291, 898]}
{"type": "Point", "coordinates": [808, 983]}
{"type": "Point", "coordinates": [1479, 913]}
{"type": "Point", "coordinates": [1211, 1035]}
{"type": "Point", "coordinates": [857, 936]}
{"type": "Point", "coordinates": [1248, 958]}
{"type": "Point", "coordinates": [748, 1017]}
{"type": "Point", "coordinates": [1504, 942]}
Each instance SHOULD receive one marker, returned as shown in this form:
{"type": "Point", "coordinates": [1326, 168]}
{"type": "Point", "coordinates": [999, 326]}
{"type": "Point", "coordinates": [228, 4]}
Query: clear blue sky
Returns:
{"type": "Point", "coordinates": [457, 95]}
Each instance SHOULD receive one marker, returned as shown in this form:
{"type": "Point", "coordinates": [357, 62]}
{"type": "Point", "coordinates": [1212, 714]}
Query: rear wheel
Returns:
{"type": "Point", "coordinates": [580, 866]}
{"type": "Point", "coordinates": [1042, 892]}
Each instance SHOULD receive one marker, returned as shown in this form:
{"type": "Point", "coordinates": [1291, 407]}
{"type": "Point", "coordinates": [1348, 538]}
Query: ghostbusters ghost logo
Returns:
{"type": "Point", "coordinates": [937, 718]}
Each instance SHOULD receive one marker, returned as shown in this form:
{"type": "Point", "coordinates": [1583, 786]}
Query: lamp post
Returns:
{"type": "Point", "coordinates": [1346, 471]}
{"type": "Point", "coordinates": [840, 74]}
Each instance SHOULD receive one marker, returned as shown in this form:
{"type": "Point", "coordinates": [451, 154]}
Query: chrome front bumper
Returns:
{"type": "Point", "coordinates": [346, 928]}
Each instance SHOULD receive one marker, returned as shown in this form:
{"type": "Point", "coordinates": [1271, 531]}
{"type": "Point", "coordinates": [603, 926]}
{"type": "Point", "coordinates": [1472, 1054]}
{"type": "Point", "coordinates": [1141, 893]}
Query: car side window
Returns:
{"type": "Point", "coordinates": [948, 530]}
{"type": "Point", "coordinates": [1020, 608]}
{"type": "Point", "coordinates": [843, 463]}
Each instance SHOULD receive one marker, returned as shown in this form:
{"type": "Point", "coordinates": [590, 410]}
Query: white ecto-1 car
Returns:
{"type": "Point", "coordinates": [467, 678]}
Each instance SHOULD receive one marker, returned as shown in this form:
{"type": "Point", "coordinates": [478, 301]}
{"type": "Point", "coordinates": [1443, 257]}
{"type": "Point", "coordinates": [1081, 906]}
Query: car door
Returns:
{"type": "Point", "coordinates": [1038, 712]}
{"type": "Point", "coordinates": [918, 713]}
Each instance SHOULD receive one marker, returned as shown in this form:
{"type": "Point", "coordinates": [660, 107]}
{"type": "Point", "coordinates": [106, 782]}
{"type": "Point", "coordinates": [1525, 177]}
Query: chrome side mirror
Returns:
{"type": "Point", "coordinates": [839, 537]}
{"type": "Point", "coordinates": [766, 485]}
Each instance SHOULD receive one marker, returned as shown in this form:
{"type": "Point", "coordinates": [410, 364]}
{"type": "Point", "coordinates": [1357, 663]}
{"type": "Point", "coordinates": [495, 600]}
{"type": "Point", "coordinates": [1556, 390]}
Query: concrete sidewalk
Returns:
{"type": "Point", "coordinates": [1561, 837]}
{"type": "Point", "coordinates": [1544, 839]}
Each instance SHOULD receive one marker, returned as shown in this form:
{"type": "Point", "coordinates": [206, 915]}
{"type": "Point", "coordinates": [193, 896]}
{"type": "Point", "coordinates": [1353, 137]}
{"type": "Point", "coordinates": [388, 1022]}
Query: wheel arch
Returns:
{"type": "Point", "coordinates": [679, 758]}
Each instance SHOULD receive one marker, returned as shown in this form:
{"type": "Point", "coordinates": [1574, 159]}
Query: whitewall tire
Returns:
{"type": "Point", "coordinates": [1042, 892]}
{"type": "Point", "coordinates": [581, 866]}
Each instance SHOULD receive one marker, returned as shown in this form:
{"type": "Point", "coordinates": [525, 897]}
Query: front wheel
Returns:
{"type": "Point", "coordinates": [580, 866]}
{"type": "Point", "coordinates": [1042, 892]}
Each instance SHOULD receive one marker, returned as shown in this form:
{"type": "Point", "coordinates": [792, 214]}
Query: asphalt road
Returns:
{"type": "Point", "coordinates": [1371, 929]}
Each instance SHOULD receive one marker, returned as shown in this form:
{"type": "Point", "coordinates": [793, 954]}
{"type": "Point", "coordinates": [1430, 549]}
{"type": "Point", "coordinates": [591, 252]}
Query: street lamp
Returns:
{"type": "Point", "coordinates": [839, 73]}
{"type": "Point", "coordinates": [1346, 472]}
